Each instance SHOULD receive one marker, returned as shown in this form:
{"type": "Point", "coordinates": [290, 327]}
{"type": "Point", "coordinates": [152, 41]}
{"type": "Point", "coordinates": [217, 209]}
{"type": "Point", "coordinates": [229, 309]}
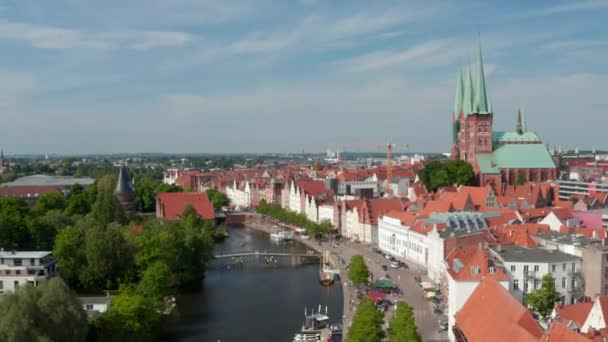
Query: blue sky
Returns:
{"type": "Point", "coordinates": [82, 76]}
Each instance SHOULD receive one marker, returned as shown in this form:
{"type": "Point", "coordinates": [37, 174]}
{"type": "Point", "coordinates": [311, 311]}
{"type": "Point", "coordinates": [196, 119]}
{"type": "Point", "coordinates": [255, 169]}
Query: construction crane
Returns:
{"type": "Point", "coordinates": [389, 167]}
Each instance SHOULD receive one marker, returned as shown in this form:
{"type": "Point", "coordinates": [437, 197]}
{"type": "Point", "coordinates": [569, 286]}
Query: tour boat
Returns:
{"type": "Point", "coordinates": [326, 279]}
{"type": "Point", "coordinates": [316, 328]}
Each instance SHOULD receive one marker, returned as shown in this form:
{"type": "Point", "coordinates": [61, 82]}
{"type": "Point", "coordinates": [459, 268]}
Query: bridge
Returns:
{"type": "Point", "coordinates": [264, 253]}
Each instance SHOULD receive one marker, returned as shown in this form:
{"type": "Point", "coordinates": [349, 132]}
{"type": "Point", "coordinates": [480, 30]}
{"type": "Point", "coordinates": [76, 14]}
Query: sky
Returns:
{"type": "Point", "coordinates": [219, 76]}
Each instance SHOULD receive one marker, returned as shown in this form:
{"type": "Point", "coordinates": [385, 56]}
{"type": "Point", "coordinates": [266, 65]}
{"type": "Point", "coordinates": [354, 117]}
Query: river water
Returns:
{"type": "Point", "coordinates": [255, 302]}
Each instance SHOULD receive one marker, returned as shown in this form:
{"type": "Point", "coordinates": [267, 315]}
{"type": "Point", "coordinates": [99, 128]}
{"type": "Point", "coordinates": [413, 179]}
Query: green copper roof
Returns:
{"type": "Point", "coordinates": [481, 101]}
{"type": "Point", "coordinates": [510, 137]}
{"type": "Point", "coordinates": [467, 98]}
{"type": "Point", "coordinates": [524, 124]}
{"type": "Point", "coordinates": [458, 96]}
{"type": "Point", "coordinates": [515, 156]}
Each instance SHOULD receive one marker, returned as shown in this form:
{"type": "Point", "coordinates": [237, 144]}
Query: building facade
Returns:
{"type": "Point", "coordinates": [25, 268]}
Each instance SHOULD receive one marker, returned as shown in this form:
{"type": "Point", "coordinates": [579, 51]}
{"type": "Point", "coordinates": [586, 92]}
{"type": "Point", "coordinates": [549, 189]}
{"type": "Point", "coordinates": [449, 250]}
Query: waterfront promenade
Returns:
{"type": "Point", "coordinates": [426, 320]}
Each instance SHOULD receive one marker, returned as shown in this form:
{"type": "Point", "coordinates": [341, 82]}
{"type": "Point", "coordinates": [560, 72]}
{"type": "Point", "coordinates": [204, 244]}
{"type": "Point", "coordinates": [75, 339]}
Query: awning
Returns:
{"type": "Point", "coordinates": [385, 284]}
{"type": "Point", "coordinates": [376, 296]}
{"type": "Point", "coordinates": [430, 294]}
{"type": "Point", "coordinates": [427, 286]}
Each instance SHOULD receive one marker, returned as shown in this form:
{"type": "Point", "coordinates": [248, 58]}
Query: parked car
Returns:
{"type": "Point", "coordinates": [384, 268]}
{"type": "Point", "coordinates": [395, 264]}
{"type": "Point", "coordinates": [387, 256]}
{"type": "Point", "coordinates": [443, 324]}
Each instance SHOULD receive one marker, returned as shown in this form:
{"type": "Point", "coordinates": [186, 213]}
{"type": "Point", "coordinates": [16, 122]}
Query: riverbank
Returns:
{"type": "Point", "coordinates": [426, 320]}
{"type": "Point", "coordinates": [349, 297]}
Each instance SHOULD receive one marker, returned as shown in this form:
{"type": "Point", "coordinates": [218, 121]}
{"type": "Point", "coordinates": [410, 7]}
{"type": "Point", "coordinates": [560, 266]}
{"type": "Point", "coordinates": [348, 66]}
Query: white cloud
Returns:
{"type": "Point", "coordinates": [50, 37]}
{"type": "Point", "coordinates": [570, 6]}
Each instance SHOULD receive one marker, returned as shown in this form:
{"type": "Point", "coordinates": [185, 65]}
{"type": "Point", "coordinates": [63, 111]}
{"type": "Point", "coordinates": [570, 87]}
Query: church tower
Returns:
{"type": "Point", "coordinates": [124, 190]}
{"type": "Point", "coordinates": [475, 118]}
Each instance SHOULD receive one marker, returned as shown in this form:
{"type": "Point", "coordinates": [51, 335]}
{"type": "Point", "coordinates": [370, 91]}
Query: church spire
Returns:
{"type": "Point", "coordinates": [524, 124]}
{"type": "Point", "coordinates": [467, 98]}
{"type": "Point", "coordinates": [481, 101]}
{"type": "Point", "coordinates": [519, 126]}
{"type": "Point", "coordinates": [458, 96]}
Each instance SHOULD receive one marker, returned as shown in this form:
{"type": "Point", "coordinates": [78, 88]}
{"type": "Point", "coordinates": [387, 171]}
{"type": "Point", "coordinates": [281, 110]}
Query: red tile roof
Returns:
{"type": "Point", "coordinates": [470, 259]}
{"type": "Point", "coordinates": [559, 332]}
{"type": "Point", "coordinates": [492, 314]}
{"type": "Point", "coordinates": [478, 194]}
{"type": "Point", "coordinates": [312, 187]}
{"type": "Point", "coordinates": [173, 204]}
{"type": "Point", "coordinates": [576, 313]}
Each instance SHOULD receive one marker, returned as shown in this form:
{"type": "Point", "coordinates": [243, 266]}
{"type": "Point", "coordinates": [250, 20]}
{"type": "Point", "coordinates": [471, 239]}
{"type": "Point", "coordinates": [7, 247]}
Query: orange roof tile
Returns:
{"type": "Point", "coordinates": [174, 204]}
{"type": "Point", "coordinates": [559, 332]}
{"type": "Point", "coordinates": [473, 258]}
{"type": "Point", "coordinates": [492, 314]}
{"type": "Point", "coordinates": [574, 312]}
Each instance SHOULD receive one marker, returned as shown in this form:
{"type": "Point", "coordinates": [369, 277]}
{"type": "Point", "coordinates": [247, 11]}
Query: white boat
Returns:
{"type": "Point", "coordinates": [275, 236]}
{"type": "Point", "coordinates": [281, 236]}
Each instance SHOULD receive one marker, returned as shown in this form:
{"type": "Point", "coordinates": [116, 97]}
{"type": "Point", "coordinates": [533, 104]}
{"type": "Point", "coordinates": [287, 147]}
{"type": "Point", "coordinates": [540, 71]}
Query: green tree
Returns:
{"type": "Point", "coordinates": [357, 270]}
{"type": "Point", "coordinates": [437, 174]}
{"type": "Point", "coordinates": [106, 208]}
{"type": "Point", "coordinates": [109, 257]}
{"type": "Point", "coordinates": [145, 194]}
{"type": "Point", "coordinates": [402, 326]}
{"type": "Point", "coordinates": [367, 324]}
{"type": "Point", "coordinates": [43, 229]}
{"type": "Point", "coordinates": [132, 317]}
{"type": "Point", "coordinates": [77, 202]}
{"type": "Point", "coordinates": [156, 282]}
{"type": "Point", "coordinates": [49, 312]}
{"type": "Point", "coordinates": [521, 180]}
{"type": "Point", "coordinates": [542, 300]}
{"type": "Point", "coordinates": [49, 201]}
{"type": "Point", "coordinates": [163, 187]}
{"type": "Point", "coordinates": [218, 198]}
{"type": "Point", "coordinates": [14, 232]}
{"type": "Point", "coordinates": [70, 254]}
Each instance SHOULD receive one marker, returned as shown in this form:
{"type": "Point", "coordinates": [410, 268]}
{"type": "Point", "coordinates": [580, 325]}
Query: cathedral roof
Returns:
{"type": "Point", "coordinates": [515, 156]}
{"type": "Point", "coordinates": [512, 137]}
{"type": "Point", "coordinates": [459, 94]}
{"type": "Point", "coordinates": [468, 96]}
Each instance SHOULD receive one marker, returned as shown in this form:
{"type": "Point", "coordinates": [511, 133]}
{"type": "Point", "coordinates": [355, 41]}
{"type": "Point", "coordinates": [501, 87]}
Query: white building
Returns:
{"type": "Point", "coordinates": [396, 238]}
{"type": "Point", "coordinates": [527, 266]}
{"type": "Point", "coordinates": [24, 268]}
{"type": "Point", "coordinates": [95, 306]}
{"type": "Point", "coordinates": [239, 195]}
{"type": "Point", "coordinates": [326, 212]}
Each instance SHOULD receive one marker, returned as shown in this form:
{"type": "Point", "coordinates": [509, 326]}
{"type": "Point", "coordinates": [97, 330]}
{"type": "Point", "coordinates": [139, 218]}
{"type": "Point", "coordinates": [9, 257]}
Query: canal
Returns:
{"type": "Point", "coordinates": [255, 302]}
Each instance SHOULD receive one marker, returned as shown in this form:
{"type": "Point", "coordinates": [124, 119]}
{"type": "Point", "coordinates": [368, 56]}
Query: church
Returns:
{"type": "Point", "coordinates": [499, 158]}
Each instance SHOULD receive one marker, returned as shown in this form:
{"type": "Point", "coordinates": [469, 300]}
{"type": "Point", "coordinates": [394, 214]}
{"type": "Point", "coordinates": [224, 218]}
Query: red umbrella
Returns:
{"type": "Point", "coordinates": [376, 296]}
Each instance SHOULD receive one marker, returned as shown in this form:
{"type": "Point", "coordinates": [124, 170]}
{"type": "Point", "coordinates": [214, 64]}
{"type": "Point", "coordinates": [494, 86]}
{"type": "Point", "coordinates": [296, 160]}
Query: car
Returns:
{"type": "Point", "coordinates": [384, 268]}
{"type": "Point", "coordinates": [395, 264]}
{"type": "Point", "coordinates": [387, 256]}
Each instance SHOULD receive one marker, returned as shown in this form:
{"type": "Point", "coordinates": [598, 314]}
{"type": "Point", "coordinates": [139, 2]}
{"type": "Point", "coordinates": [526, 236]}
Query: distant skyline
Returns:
{"type": "Point", "coordinates": [218, 76]}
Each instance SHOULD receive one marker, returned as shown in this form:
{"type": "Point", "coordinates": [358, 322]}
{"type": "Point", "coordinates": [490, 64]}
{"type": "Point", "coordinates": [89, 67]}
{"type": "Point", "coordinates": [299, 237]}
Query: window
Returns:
{"type": "Point", "coordinates": [515, 284]}
{"type": "Point", "coordinates": [17, 262]}
{"type": "Point", "coordinates": [563, 267]}
{"type": "Point", "coordinates": [553, 268]}
{"type": "Point", "coordinates": [605, 288]}
{"type": "Point", "coordinates": [525, 286]}
{"type": "Point", "coordinates": [1, 285]}
{"type": "Point", "coordinates": [512, 268]}
{"type": "Point", "coordinates": [16, 284]}
{"type": "Point", "coordinates": [88, 307]}
{"type": "Point", "coordinates": [605, 273]}
{"type": "Point", "coordinates": [491, 269]}
{"type": "Point", "coordinates": [573, 267]}
{"type": "Point", "coordinates": [32, 261]}
{"type": "Point", "coordinates": [18, 272]}
{"type": "Point", "coordinates": [573, 283]}
{"type": "Point", "coordinates": [564, 282]}
{"type": "Point", "coordinates": [535, 268]}
{"type": "Point", "coordinates": [535, 284]}
{"type": "Point", "coordinates": [525, 269]}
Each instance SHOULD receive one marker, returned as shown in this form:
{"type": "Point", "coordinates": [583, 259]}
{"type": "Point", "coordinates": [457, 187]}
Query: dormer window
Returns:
{"type": "Point", "coordinates": [474, 270]}
{"type": "Point", "coordinates": [491, 269]}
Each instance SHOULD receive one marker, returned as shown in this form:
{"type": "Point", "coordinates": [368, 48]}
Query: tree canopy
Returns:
{"type": "Point", "coordinates": [437, 174]}
{"type": "Point", "coordinates": [367, 324]}
{"type": "Point", "coordinates": [357, 270]}
{"type": "Point", "coordinates": [296, 219]}
{"type": "Point", "coordinates": [402, 326]}
{"type": "Point", "coordinates": [218, 198]}
{"type": "Point", "coordinates": [542, 300]}
{"type": "Point", "coordinates": [49, 312]}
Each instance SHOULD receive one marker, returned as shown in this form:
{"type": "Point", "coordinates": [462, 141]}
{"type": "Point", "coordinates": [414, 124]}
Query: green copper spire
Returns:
{"type": "Point", "coordinates": [481, 101]}
{"type": "Point", "coordinates": [458, 96]}
{"type": "Point", "coordinates": [467, 98]}
{"type": "Point", "coordinates": [519, 126]}
{"type": "Point", "coordinates": [524, 124]}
